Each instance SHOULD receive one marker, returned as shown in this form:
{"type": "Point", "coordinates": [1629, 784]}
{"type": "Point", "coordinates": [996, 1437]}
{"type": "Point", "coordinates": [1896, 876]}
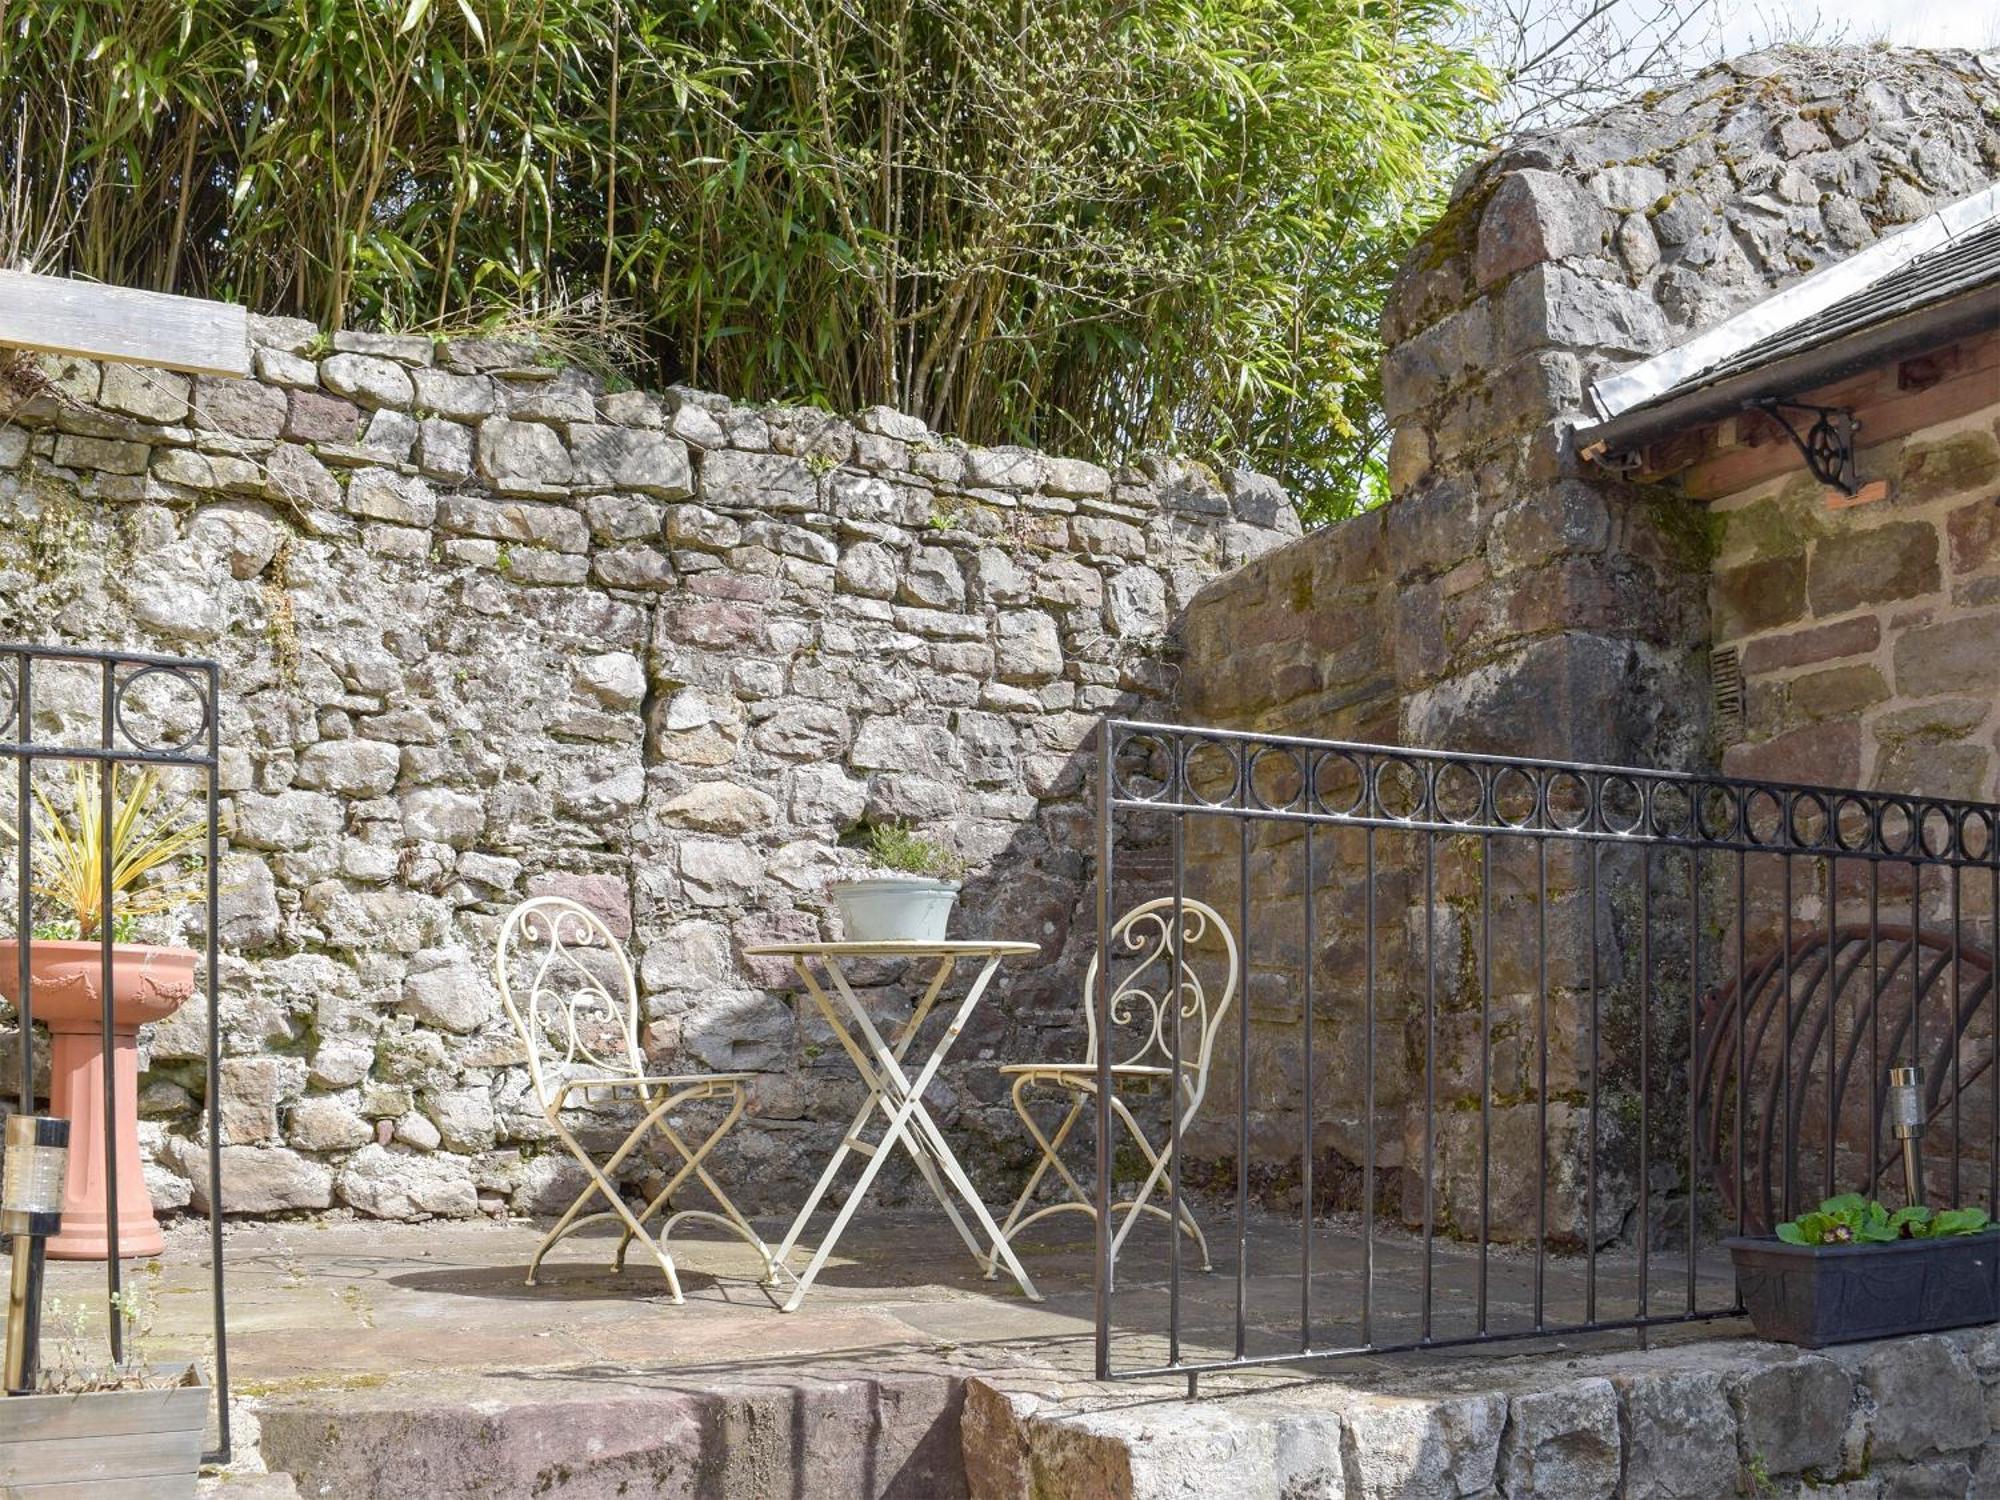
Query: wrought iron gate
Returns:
{"type": "Point", "coordinates": [132, 695]}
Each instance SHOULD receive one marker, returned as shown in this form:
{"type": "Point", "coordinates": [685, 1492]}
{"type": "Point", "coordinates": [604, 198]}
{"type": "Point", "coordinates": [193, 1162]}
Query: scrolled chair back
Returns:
{"type": "Point", "coordinates": [568, 989]}
{"type": "Point", "coordinates": [1147, 995]}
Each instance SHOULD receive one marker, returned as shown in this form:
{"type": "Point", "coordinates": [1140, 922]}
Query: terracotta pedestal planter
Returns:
{"type": "Point", "coordinates": [147, 984]}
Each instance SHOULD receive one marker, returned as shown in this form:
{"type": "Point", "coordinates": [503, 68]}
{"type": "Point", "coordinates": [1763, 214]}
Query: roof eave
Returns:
{"type": "Point", "coordinates": [1676, 369]}
{"type": "Point", "coordinates": [1972, 311]}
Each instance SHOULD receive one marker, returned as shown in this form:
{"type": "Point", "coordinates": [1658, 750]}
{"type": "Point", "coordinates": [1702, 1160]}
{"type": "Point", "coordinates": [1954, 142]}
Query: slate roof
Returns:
{"type": "Point", "coordinates": [1961, 265]}
{"type": "Point", "coordinates": [1934, 280]}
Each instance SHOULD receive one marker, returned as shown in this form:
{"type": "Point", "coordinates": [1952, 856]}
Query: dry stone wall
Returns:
{"type": "Point", "coordinates": [490, 630]}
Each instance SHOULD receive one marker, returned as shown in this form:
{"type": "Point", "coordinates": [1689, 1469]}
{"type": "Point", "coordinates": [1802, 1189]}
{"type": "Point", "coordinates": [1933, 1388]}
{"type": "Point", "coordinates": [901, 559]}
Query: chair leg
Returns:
{"type": "Point", "coordinates": [692, 1166]}
{"type": "Point", "coordinates": [1049, 1158]}
{"type": "Point", "coordinates": [601, 1179]}
{"type": "Point", "coordinates": [1158, 1162]}
{"type": "Point", "coordinates": [690, 1161]}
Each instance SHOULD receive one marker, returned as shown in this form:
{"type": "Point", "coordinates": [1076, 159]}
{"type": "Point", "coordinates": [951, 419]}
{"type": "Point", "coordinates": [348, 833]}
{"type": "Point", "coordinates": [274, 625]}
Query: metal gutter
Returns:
{"type": "Point", "coordinates": [1972, 311]}
{"type": "Point", "coordinates": [1650, 380]}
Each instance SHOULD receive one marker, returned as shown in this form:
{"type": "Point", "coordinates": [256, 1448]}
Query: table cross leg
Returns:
{"type": "Point", "coordinates": [892, 1078]}
{"type": "Point", "coordinates": [890, 1088]}
{"type": "Point", "coordinates": [908, 1123]}
{"type": "Point", "coordinates": [850, 1138]}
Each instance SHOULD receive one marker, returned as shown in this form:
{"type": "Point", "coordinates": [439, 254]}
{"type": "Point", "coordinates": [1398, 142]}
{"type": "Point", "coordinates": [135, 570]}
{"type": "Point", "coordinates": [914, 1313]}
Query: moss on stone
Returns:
{"type": "Point", "coordinates": [1774, 527]}
{"type": "Point", "coordinates": [1950, 466]}
{"type": "Point", "coordinates": [1691, 532]}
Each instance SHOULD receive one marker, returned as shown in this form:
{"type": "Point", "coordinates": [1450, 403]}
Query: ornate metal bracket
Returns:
{"type": "Point", "coordinates": [1828, 444]}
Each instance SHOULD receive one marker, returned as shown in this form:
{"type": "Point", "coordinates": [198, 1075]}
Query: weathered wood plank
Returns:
{"type": "Point", "coordinates": [125, 1455]}
{"type": "Point", "coordinates": [152, 1487]}
{"type": "Point", "coordinates": [32, 1419]}
{"type": "Point", "coordinates": [56, 315]}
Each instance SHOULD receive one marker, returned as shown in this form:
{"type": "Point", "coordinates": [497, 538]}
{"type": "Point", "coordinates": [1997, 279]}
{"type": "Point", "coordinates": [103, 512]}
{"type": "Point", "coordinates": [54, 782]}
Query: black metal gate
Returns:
{"type": "Point", "coordinates": [132, 692]}
{"type": "Point", "coordinates": [1523, 1040]}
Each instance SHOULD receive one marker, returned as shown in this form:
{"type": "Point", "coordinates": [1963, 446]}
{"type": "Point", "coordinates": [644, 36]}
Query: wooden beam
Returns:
{"type": "Point", "coordinates": [56, 315]}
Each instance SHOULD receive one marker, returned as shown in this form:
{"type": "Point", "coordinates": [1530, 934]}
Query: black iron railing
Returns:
{"type": "Point", "coordinates": [124, 697]}
{"type": "Point", "coordinates": [1521, 1042]}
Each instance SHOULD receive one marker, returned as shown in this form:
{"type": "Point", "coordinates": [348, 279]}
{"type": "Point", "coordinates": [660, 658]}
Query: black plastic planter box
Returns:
{"type": "Point", "coordinates": [1835, 1294]}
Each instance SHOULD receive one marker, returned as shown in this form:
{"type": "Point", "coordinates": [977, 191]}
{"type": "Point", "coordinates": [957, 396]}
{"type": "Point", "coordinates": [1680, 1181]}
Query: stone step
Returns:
{"type": "Point", "coordinates": [246, 1487]}
{"type": "Point", "coordinates": [616, 1431]}
{"type": "Point", "coordinates": [1696, 1421]}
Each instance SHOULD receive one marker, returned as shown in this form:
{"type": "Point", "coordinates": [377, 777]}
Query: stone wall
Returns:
{"type": "Point", "coordinates": [488, 630]}
{"type": "Point", "coordinates": [1905, 1419]}
{"type": "Point", "coordinates": [1557, 623]}
{"type": "Point", "coordinates": [1867, 634]}
{"type": "Point", "coordinates": [1512, 599]}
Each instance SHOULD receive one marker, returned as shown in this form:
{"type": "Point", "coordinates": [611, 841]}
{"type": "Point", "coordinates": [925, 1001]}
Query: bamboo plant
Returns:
{"type": "Point", "coordinates": [1086, 225]}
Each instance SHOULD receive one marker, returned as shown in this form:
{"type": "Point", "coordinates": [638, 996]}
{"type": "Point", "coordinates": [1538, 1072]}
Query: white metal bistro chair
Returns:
{"type": "Point", "coordinates": [580, 1025]}
{"type": "Point", "coordinates": [1149, 1004]}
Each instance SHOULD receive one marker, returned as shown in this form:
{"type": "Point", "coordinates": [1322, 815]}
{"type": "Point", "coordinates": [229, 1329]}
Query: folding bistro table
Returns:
{"type": "Point", "coordinates": [896, 1093]}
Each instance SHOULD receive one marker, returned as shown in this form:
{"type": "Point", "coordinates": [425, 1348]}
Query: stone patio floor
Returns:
{"type": "Point", "coordinates": [372, 1358]}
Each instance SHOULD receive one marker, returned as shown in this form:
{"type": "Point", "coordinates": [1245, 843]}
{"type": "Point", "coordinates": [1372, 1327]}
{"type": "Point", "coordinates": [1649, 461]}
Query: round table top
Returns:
{"type": "Point", "coordinates": [898, 949]}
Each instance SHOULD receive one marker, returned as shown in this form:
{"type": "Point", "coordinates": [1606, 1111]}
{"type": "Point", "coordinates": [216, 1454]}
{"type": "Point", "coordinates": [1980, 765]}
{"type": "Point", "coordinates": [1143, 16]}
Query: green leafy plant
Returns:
{"type": "Point", "coordinates": [72, 1334]}
{"type": "Point", "coordinates": [151, 838]}
{"type": "Point", "coordinates": [1088, 225]}
{"type": "Point", "coordinates": [1851, 1219]}
{"type": "Point", "coordinates": [893, 846]}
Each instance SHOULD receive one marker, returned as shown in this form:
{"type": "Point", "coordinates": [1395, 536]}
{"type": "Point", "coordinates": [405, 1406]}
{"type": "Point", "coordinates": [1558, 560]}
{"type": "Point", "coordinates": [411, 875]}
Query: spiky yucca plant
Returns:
{"type": "Point", "coordinates": [149, 837]}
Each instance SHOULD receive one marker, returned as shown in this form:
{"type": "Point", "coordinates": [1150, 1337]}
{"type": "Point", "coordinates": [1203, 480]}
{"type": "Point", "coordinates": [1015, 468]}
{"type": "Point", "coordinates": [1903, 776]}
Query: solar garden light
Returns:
{"type": "Point", "coordinates": [31, 1197]}
{"type": "Point", "coordinates": [1906, 1123]}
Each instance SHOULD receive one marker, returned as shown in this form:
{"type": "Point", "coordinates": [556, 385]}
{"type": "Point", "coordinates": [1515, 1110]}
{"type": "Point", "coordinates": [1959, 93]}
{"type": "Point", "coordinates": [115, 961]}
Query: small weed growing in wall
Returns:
{"type": "Point", "coordinates": [281, 623]}
{"type": "Point", "coordinates": [893, 846]}
{"type": "Point", "coordinates": [61, 530]}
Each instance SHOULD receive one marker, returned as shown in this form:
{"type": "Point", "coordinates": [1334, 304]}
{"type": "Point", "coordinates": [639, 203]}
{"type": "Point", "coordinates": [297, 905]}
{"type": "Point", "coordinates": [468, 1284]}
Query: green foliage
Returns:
{"type": "Point", "coordinates": [1851, 1219]}
{"type": "Point", "coordinates": [124, 929]}
{"type": "Point", "coordinates": [144, 847]}
{"type": "Point", "coordinates": [1082, 224]}
{"type": "Point", "coordinates": [894, 846]}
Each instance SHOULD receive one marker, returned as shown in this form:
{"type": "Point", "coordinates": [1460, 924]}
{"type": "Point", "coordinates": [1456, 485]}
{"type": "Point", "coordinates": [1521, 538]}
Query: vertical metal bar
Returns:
{"type": "Point", "coordinates": [1541, 1076]}
{"type": "Point", "coordinates": [1916, 1056]}
{"type": "Point", "coordinates": [1174, 1095]}
{"type": "Point", "coordinates": [1429, 1167]}
{"type": "Point", "coordinates": [1832, 1019]}
{"type": "Point", "coordinates": [1102, 1000]}
{"type": "Point", "coordinates": [1742, 1041]}
{"type": "Point", "coordinates": [1874, 1188]}
{"type": "Point", "coordinates": [24, 876]}
{"type": "Point", "coordinates": [1368, 1104]}
{"type": "Point", "coordinates": [1952, 1031]}
{"type": "Point", "coordinates": [213, 959]}
{"type": "Point", "coordinates": [1693, 1061]}
{"type": "Point", "coordinates": [1993, 1024]}
{"type": "Point", "coordinates": [1788, 1147]}
{"type": "Point", "coordinates": [107, 779]}
{"type": "Point", "coordinates": [1306, 1143]}
{"type": "Point", "coordinates": [1590, 1187]}
{"type": "Point", "coordinates": [1243, 1070]}
{"type": "Point", "coordinates": [1645, 1073]}
{"type": "Point", "coordinates": [1485, 1066]}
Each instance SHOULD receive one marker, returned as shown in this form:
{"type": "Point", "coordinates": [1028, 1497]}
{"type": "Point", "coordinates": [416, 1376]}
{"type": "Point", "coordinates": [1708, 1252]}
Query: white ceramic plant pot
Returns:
{"type": "Point", "coordinates": [894, 908]}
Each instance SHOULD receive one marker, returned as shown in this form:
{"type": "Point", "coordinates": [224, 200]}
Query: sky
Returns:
{"type": "Point", "coordinates": [1910, 23]}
